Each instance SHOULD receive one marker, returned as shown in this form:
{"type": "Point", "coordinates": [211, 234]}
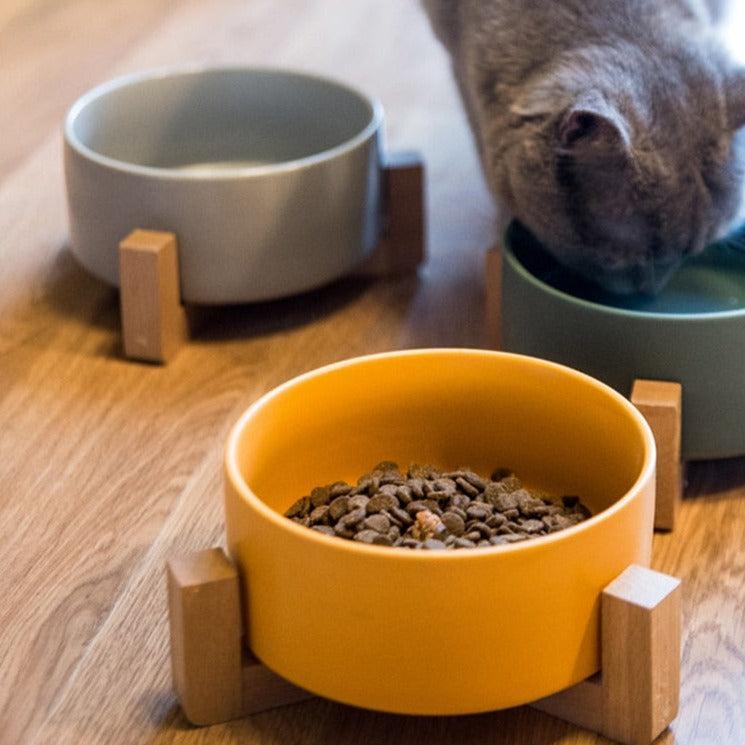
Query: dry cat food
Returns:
{"type": "Point", "coordinates": [432, 509]}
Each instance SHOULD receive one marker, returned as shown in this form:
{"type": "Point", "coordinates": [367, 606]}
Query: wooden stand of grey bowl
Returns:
{"type": "Point", "coordinates": [154, 321]}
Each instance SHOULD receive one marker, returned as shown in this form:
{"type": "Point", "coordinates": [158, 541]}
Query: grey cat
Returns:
{"type": "Point", "coordinates": [609, 128]}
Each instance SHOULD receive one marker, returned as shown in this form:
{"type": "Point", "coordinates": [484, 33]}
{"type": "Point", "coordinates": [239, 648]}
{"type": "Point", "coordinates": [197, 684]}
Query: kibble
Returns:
{"type": "Point", "coordinates": [429, 509]}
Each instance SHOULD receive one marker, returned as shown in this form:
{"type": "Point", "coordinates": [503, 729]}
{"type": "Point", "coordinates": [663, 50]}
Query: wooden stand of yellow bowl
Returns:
{"type": "Point", "coordinates": [154, 321]}
{"type": "Point", "coordinates": [632, 700]}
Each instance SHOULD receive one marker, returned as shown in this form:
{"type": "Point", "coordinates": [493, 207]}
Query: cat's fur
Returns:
{"type": "Point", "coordinates": [609, 128]}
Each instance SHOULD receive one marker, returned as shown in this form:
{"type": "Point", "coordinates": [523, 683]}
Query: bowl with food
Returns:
{"type": "Point", "coordinates": [429, 531]}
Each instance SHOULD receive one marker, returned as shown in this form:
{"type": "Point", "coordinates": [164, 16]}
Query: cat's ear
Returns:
{"type": "Point", "coordinates": [580, 120]}
{"type": "Point", "coordinates": [735, 96]}
{"type": "Point", "coordinates": [593, 123]}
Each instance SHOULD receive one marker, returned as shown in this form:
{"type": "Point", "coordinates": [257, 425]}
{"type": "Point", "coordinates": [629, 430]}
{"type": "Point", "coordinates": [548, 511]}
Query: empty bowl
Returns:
{"type": "Point", "coordinates": [693, 333]}
{"type": "Point", "coordinates": [435, 631]}
{"type": "Point", "coordinates": [269, 178]}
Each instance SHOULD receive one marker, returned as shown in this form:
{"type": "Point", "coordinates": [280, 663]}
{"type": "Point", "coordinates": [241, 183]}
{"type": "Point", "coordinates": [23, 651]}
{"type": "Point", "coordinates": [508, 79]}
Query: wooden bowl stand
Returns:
{"type": "Point", "coordinates": [632, 700]}
{"type": "Point", "coordinates": [216, 676]}
{"type": "Point", "coordinates": [154, 321]}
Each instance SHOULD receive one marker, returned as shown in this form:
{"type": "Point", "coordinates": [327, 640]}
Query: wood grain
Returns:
{"type": "Point", "coordinates": [108, 467]}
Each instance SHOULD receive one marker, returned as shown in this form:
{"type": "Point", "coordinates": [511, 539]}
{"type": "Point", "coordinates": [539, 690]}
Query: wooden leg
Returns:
{"type": "Point", "coordinates": [641, 612]}
{"type": "Point", "coordinates": [205, 626]}
{"type": "Point", "coordinates": [215, 677]}
{"type": "Point", "coordinates": [635, 697]}
{"type": "Point", "coordinates": [660, 403]}
{"type": "Point", "coordinates": [493, 302]}
{"type": "Point", "coordinates": [153, 319]}
{"type": "Point", "coordinates": [401, 246]}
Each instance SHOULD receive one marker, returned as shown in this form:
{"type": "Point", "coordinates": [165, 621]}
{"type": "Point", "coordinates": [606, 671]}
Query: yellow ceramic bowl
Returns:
{"type": "Point", "coordinates": [436, 632]}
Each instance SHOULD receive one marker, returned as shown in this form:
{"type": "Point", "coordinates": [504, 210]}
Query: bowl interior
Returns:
{"type": "Point", "coordinates": [217, 118]}
{"type": "Point", "coordinates": [557, 430]}
{"type": "Point", "coordinates": [712, 282]}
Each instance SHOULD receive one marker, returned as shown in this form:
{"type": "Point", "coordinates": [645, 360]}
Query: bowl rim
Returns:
{"type": "Point", "coordinates": [71, 139]}
{"type": "Point", "coordinates": [643, 315]}
{"type": "Point", "coordinates": [537, 544]}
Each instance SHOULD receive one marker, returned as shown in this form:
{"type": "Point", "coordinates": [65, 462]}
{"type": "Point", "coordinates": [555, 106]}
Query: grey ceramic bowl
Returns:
{"type": "Point", "coordinates": [693, 333]}
{"type": "Point", "coordinates": [269, 178]}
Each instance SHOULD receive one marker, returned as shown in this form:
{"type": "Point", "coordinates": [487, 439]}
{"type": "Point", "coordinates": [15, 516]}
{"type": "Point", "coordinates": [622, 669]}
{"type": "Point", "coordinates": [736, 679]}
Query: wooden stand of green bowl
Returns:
{"type": "Point", "coordinates": [631, 700]}
{"type": "Point", "coordinates": [659, 401]}
{"type": "Point", "coordinates": [154, 320]}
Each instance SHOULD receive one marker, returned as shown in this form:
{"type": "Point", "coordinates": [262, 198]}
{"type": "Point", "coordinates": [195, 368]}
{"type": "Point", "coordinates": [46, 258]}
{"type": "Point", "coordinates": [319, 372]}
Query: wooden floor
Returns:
{"type": "Point", "coordinates": [107, 467]}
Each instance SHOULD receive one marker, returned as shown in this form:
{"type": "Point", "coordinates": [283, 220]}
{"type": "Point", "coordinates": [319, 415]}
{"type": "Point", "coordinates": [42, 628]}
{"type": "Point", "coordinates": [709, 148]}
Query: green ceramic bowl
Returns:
{"type": "Point", "coordinates": [693, 333]}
